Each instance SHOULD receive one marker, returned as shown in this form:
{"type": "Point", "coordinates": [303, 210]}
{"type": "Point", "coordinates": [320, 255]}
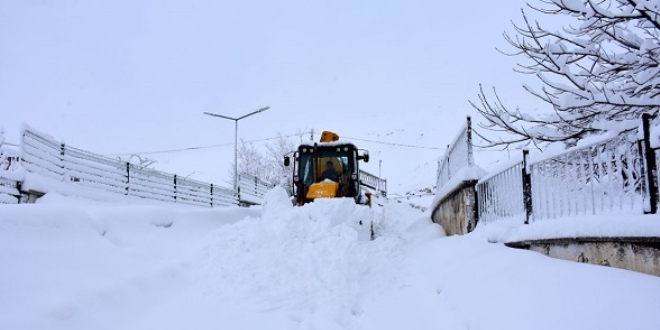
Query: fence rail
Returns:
{"type": "Point", "coordinates": [42, 155]}
{"type": "Point", "coordinates": [374, 182]}
{"type": "Point", "coordinates": [252, 189]}
{"type": "Point", "coordinates": [609, 176]}
{"type": "Point", "coordinates": [9, 177]}
{"type": "Point", "coordinates": [604, 177]}
{"type": "Point", "coordinates": [501, 195]}
{"type": "Point", "coordinates": [9, 192]}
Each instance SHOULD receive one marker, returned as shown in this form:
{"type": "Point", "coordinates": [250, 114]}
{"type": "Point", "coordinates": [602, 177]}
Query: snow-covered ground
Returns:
{"type": "Point", "coordinates": [73, 263]}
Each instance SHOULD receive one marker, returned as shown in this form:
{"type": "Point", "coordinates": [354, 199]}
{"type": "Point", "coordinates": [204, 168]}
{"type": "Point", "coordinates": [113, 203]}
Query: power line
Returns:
{"type": "Point", "coordinates": [403, 145]}
{"type": "Point", "coordinates": [171, 150]}
{"type": "Point", "coordinates": [395, 144]}
{"type": "Point", "coordinates": [201, 147]}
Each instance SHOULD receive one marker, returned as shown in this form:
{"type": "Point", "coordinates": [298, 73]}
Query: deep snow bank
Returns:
{"type": "Point", "coordinates": [75, 264]}
{"type": "Point", "coordinates": [312, 258]}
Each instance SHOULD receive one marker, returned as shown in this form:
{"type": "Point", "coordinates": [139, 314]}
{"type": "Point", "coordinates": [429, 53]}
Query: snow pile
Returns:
{"type": "Point", "coordinates": [471, 173]}
{"type": "Point", "coordinates": [315, 258]}
{"type": "Point", "coordinates": [71, 263]}
{"type": "Point", "coordinates": [593, 226]}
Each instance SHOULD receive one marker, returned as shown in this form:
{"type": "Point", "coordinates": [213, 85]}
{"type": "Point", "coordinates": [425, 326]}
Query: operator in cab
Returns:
{"type": "Point", "coordinates": [330, 172]}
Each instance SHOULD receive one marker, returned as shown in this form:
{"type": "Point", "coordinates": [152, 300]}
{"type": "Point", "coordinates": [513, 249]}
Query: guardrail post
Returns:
{"type": "Point", "coordinates": [175, 188]}
{"type": "Point", "coordinates": [256, 186]}
{"type": "Point", "coordinates": [468, 132]}
{"type": "Point", "coordinates": [18, 188]}
{"type": "Point", "coordinates": [62, 147]}
{"type": "Point", "coordinates": [128, 177]}
{"type": "Point", "coordinates": [211, 195]}
{"type": "Point", "coordinates": [527, 188]}
{"type": "Point", "coordinates": [649, 157]}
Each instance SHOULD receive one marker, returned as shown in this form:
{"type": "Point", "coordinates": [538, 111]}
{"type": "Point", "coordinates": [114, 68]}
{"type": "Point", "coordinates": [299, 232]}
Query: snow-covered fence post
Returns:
{"type": "Point", "coordinates": [62, 148]}
{"type": "Point", "coordinates": [175, 188]}
{"type": "Point", "coordinates": [649, 157]}
{"type": "Point", "coordinates": [470, 152]}
{"type": "Point", "coordinates": [526, 187]}
{"type": "Point", "coordinates": [128, 177]}
{"type": "Point", "coordinates": [211, 195]}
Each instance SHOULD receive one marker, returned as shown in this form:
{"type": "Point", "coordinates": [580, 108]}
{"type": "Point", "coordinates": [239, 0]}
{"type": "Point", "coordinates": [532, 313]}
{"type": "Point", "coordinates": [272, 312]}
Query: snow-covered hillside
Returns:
{"type": "Point", "coordinates": [71, 263]}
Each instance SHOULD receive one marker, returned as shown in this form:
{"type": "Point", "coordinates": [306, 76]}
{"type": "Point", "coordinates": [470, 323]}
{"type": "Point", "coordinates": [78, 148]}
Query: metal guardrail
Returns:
{"type": "Point", "coordinates": [9, 190]}
{"type": "Point", "coordinates": [49, 158]}
{"type": "Point", "coordinates": [374, 182]}
{"type": "Point", "coordinates": [501, 195]}
{"type": "Point", "coordinates": [603, 177]}
{"type": "Point", "coordinates": [9, 185]}
{"type": "Point", "coordinates": [252, 189]}
{"type": "Point", "coordinates": [613, 175]}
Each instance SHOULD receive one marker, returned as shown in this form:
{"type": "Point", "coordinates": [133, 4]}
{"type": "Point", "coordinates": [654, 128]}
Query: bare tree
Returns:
{"type": "Point", "coordinates": [266, 165]}
{"type": "Point", "coordinates": [602, 67]}
{"type": "Point", "coordinates": [250, 161]}
{"type": "Point", "coordinates": [281, 174]}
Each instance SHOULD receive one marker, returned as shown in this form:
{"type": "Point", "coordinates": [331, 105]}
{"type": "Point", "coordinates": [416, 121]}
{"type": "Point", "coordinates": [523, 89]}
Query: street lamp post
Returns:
{"type": "Point", "coordinates": [236, 138]}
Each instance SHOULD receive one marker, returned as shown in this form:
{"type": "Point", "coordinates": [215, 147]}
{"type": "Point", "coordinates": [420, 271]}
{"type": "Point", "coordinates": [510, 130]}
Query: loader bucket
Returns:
{"type": "Point", "coordinates": [323, 189]}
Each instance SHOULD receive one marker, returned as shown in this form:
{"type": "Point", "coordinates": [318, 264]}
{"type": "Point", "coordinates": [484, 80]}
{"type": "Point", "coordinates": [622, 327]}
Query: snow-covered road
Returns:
{"type": "Point", "coordinates": [71, 263]}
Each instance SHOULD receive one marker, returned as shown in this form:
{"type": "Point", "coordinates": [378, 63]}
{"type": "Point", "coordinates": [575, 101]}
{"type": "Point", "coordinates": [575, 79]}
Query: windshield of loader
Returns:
{"type": "Point", "coordinates": [329, 163]}
{"type": "Point", "coordinates": [332, 164]}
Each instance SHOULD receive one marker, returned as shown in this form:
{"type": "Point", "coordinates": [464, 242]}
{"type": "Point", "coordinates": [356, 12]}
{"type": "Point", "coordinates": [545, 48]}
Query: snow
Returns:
{"type": "Point", "coordinates": [470, 173]}
{"type": "Point", "coordinates": [76, 263]}
{"type": "Point", "coordinates": [608, 225]}
{"type": "Point", "coordinates": [16, 175]}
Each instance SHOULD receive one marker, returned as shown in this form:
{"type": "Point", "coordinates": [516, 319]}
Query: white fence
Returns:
{"type": "Point", "coordinates": [614, 174]}
{"type": "Point", "coordinates": [251, 189]}
{"type": "Point", "coordinates": [9, 174]}
{"type": "Point", "coordinates": [604, 177]}
{"type": "Point", "coordinates": [374, 182]}
{"type": "Point", "coordinates": [609, 176]}
{"type": "Point", "coordinates": [42, 155]}
{"type": "Point", "coordinates": [9, 193]}
{"type": "Point", "coordinates": [501, 195]}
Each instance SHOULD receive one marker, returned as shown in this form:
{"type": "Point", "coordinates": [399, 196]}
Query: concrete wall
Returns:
{"type": "Point", "coordinates": [457, 211]}
{"type": "Point", "coordinates": [640, 254]}
{"type": "Point", "coordinates": [457, 214]}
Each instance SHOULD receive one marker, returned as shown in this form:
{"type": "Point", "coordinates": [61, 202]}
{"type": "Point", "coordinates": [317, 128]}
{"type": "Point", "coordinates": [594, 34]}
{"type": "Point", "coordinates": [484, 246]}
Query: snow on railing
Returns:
{"type": "Point", "coordinates": [10, 182]}
{"type": "Point", "coordinates": [42, 155]}
{"type": "Point", "coordinates": [92, 170]}
{"type": "Point", "coordinates": [10, 174]}
{"type": "Point", "coordinates": [374, 182]}
{"type": "Point", "coordinates": [606, 176]}
{"type": "Point", "coordinates": [612, 173]}
{"type": "Point", "coordinates": [501, 195]}
{"type": "Point", "coordinates": [458, 155]}
{"type": "Point", "coordinates": [252, 189]}
{"type": "Point", "coordinates": [9, 193]}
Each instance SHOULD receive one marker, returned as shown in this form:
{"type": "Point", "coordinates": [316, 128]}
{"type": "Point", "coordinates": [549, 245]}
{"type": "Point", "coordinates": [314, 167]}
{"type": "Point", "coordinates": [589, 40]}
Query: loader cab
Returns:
{"type": "Point", "coordinates": [312, 179]}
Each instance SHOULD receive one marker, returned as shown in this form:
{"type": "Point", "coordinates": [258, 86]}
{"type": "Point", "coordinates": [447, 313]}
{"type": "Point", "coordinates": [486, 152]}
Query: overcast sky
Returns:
{"type": "Point", "coordinates": [135, 76]}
